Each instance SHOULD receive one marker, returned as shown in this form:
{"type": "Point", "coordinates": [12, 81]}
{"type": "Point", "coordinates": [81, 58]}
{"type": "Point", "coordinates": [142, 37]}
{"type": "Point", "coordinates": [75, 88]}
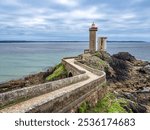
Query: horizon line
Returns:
{"type": "Point", "coordinates": [6, 41]}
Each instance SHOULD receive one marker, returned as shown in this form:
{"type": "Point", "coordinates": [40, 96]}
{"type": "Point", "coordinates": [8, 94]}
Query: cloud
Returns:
{"type": "Point", "coordinates": [67, 2]}
{"type": "Point", "coordinates": [30, 22]}
{"type": "Point", "coordinates": [21, 18]}
{"type": "Point", "coordinates": [128, 16]}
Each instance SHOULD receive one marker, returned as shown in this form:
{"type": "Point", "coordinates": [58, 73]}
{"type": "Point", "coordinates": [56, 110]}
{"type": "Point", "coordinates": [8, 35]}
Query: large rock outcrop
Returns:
{"type": "Point", "coordinates": [125, 74]}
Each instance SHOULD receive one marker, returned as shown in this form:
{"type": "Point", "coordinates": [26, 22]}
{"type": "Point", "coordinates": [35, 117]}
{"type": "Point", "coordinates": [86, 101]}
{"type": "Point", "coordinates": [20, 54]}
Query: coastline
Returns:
{"type": "Point", "coordinates": [46, 70]}
{"type": "Point", "coordinates": [28, 59]}
{"type": "Point", "coordinates": [26, 81]}
{"type": "Point", "coordinates": [125, 84]}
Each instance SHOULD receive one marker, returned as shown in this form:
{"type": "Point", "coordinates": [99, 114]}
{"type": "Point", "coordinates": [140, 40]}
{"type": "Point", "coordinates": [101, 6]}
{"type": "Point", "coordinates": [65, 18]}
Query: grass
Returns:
{"type": "Point", "coordinates": [59, 72]}
{"type": "Point", "coordinates": [97, 54]}
{"type": "Point", "coordinates": [83, 108]}
{"type": "Point", "coordinates": [102, 62]}
{"type": "Point", "coordinates": [110, 104]}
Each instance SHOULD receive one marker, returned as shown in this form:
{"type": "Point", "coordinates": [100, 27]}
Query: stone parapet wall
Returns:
{"type": "Point", "coordinates": [91, 96]}
{"type": "Point", "coordinates": [71, 68]}
{"type": "Point", "coordinates": [95, 71]}
{"type": "Point", "coordinates": [64, 95]}
{"type": "Point", "coordinates": [69, 101]}
{"type": "Point", "coordinates": [28, 92]}
{"type": "Point", "coordinates": [71, 57]}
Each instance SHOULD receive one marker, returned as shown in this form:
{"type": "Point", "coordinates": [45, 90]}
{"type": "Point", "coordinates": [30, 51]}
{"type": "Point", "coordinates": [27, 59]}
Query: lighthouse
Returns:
{"type": "Point", "coordinates": [92, 38]}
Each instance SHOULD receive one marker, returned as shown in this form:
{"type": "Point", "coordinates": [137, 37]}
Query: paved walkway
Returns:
{"type": "Point", "coordinates": [28, 105]}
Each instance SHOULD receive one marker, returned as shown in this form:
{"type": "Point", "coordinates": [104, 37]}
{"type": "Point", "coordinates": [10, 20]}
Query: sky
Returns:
{"type": "Point", "coordinates": [62, 20]}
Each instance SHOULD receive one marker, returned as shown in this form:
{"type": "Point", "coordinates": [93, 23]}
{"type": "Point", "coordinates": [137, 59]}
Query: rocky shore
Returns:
{"type": "Point", "coordinates": [29, 80]}
{"type": "Point", "coordinates": [127, 78]}
{"type": "Point", "coordinates": [128, 81]}
{"type": "Point", "coordinates": [53, 73]}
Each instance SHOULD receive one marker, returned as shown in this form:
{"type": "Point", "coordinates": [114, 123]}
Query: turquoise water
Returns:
{"type": "Point", "coordinates": [20, 59]}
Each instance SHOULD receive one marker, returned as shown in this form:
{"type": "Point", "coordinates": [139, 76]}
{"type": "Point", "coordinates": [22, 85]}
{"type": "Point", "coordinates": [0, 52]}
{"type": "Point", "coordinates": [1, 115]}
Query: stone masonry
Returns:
{"type": "Point", "coordinates": [65, 98]}
{"type": "Point", "coordinates": [92, 40]}
{"type": "Point", "coordinates": [102, 43]}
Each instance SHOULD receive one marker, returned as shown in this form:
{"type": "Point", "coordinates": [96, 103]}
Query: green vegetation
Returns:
{"type": "Point", "coordinates": [102, 62]}
{"type": "Point", "coordinates": [109, 104]}
{"type": "Point", "coordinates": [97, 54]}
{"type": "Point", "coordinates": [59, 72]}
{"type": "Point", "coordinates": [84, 107]}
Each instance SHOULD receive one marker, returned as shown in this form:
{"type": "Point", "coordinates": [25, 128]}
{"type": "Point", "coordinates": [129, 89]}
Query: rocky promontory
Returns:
{"type": "Point", "coordinates": [128, 81]}
{"type": "Point", "coordinates": [127, 78]}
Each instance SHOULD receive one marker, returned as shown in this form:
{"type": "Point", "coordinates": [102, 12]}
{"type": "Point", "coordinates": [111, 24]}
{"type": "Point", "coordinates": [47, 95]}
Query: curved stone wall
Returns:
{"type": "Point", "coordinates": [95, 71]}
{"type": "Point", "coordinates": [71, 68]}
{"type": "Point", "coordinates": [28, 92]}
{"type": "Point", "coordinates": [62, 95]}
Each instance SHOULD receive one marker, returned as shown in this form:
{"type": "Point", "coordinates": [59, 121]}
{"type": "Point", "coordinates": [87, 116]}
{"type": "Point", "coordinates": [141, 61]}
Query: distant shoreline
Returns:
{"type": "Point", "coordinates": [62, 41]}
{"type": "Point", "coordinates": [38, 41]}
{"type": "Point", "coordinates": [39, 55]}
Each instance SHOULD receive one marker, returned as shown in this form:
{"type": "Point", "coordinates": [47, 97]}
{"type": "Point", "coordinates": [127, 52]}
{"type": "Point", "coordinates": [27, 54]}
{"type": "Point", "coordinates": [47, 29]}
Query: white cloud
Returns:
{"type": "Point", "coordinates": [72, 16]}
{"type": "Point", "coordinates": [67, 2]}
{"type": "Point", "coordinates": [31, 22]}
{"type": "Point", "coordinates": [128, 16]}
{"type": "Point", "coordinates": [90, 13]}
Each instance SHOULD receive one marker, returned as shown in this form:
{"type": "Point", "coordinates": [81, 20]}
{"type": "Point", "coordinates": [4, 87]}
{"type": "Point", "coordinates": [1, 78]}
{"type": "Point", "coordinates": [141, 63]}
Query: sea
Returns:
{"type": "Point", "coordinates": [18, 59]}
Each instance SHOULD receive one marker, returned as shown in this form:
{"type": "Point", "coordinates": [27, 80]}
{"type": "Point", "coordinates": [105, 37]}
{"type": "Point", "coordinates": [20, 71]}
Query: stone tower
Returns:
{"type": "Point", "coordinates": [92, 40]}
{"type": "Point", "coordinates": [102, 43]}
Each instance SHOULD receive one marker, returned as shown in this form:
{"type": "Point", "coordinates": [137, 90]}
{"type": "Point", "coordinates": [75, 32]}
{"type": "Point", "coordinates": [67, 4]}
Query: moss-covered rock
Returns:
{"type": "Point", "coordinates": [59, 72]}
{"type": "Point", "coordinates": [94, 62]}
{"type": "Point", "coordinates": [103, 55]}
{"type": "Point", "coordinates": [110, 104]}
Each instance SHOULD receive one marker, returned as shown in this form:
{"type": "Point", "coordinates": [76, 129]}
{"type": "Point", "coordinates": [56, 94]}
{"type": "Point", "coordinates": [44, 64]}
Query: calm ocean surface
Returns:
{"type": "Point", "coordinates": [20, 59]}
